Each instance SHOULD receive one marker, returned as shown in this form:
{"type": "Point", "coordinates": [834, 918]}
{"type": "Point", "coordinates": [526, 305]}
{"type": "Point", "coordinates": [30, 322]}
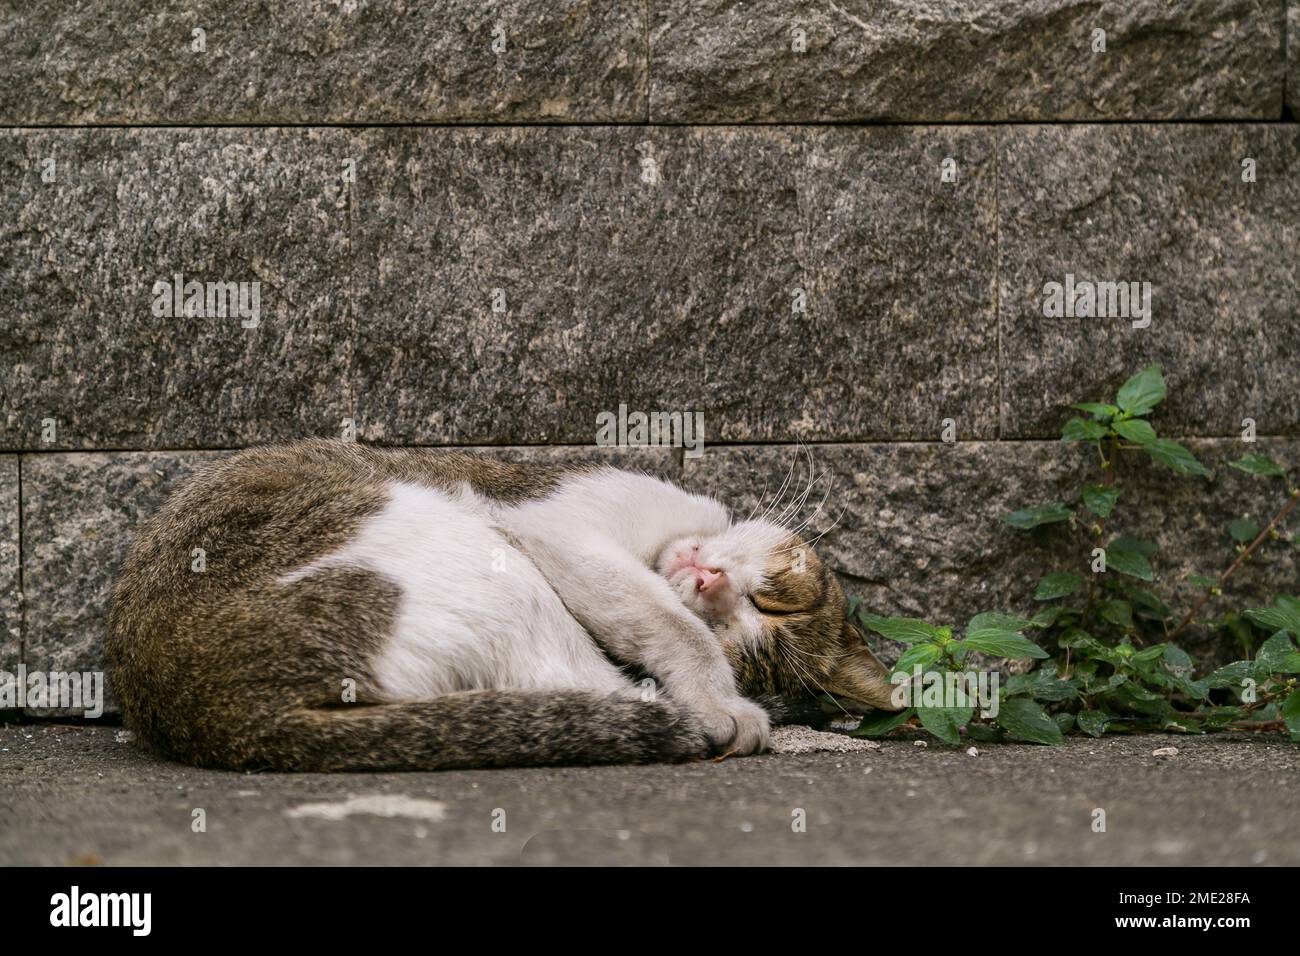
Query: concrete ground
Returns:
{"type": "Point", "coordinates": [85, 795]}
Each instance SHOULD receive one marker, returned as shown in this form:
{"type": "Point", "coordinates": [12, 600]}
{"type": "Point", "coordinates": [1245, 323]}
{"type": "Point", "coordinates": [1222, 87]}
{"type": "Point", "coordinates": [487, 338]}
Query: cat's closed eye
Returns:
{"type": "Point", "coordinates": [766, 605]}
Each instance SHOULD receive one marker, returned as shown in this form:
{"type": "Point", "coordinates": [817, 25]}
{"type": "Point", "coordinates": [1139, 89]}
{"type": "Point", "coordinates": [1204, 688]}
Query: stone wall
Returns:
{"type": "Point", "coordinates": [482, 229]}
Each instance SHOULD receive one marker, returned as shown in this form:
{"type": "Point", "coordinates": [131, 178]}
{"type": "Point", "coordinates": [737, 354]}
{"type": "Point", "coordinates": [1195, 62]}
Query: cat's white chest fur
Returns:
{"type": "Point", "coordinates": [475, 612]}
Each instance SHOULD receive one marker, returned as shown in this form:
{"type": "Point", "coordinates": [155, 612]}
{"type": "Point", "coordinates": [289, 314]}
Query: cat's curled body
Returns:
{"type": "Point", "coordinates": [364, 609]}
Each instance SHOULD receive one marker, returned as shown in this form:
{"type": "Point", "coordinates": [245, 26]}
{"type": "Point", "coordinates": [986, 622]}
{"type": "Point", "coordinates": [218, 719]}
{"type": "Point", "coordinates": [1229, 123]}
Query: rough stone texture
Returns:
{"type": "Point", "coordinates": [1292, 56]}
{"type": "Point", "coordinates": [78, 514]}
{"type": "Point", "coordinates": [129, 208]}
{"type": "Point", "coordinates": [81, 796]}
{"type": "Point", "coordinates": [80, 510]}
{"type": "Point", "coordinates": [919, 534]}
{"type": "Point", "coordinates": [928, 60]}
{"type": "Point", "coordinates": [658, 268]}
{"type": "Point", "coordinates": [11, 638]}
{"type": "Point", "coordinates": [1165, 205]}
{"type": "Point", "coordinates": [355, 61]}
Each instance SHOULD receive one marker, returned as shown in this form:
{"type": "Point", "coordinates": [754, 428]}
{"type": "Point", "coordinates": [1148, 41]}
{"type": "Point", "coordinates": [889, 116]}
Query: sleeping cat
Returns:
{"type": "Point", "coordinates": [368, 609]}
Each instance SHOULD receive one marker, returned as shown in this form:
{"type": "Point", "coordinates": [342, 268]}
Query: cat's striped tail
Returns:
{"type": "Point", "coordinates": [469, 729]}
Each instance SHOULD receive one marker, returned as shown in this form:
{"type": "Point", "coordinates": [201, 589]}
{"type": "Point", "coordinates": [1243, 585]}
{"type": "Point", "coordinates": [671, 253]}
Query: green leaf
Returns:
{"type": "Point", "coordinates": [1169, 452]}
{"type": "Point", "coordinates": [1273, 654]}
{"type": "Point", "coordinates": [1291, 714]}
{"type": "Point", "coordinates": [1195, 689]}
{"type": "Point", "coordinates": [1149, 654]}
{"type": "Point", "coordinates": [1027, 518]}
{"type": "Point", "coordinates": [923, 654]}
{"type": "Point", "coordinates": [1183, 724]}
{"type": "Point", "coordinates": [1100, 500]}
{"type": "Point", "coordinates": [1136, 430]}
{"type": "Point", "coordinates": [1127, 561]}
{"type": "Point", "coordinates": [1133, 696]}
{"type": "Point", "coordinates": [1243, 530]}
{"type": "Point", "coordinates": [1092, 722]}
{"type": "Point", "coordinates": [1002, 643]}
{"type": "Point", "coordinates": [1042, 685]}
{"type": "Point", "coordinates": [995, 619]}
{"type": "Point", "coordinates": [1119, 613]}
{"type": "Point", "coordinates": [1177, 660]}
{"type": "Point", "coordinates": [1223, 715]}
{"type": "Point", "coordinates": [1083, 429]}
{"type": "Point", "coordinates": [1016, 684]}
{"type": "Point", "coordinates": [1231, 675]}
{"type": "Point", "coordinates": [1257, 463]}
{"type": "Point", "coordinates": [905, 630]}
{"type": "Point", "coordinates": [1057, 584]}
{"type": "Point", "coordinates": [1201, 581]}
{"type": "Point", "coordinates": [1088, 646]}
{"type": "Point", "coordinates": [1025, 720]}
{"type": "Point", "coordinates": [1098, 410]}
{"type": "Point", "coordinates": [1146, 605]}
{"type": "Point", "coordinates": [983, 732]}
{"type": "Point", "coordinates": [1046, 617]}
{"type": "Point", "coordinates": [1143, 392]}
{"type": "Point", "coordinates": [1276, 618]}
{"type": "Point", "coordinates": [881, 722]}
{"type": "Point", "coordinates": [1129, 543]}
{"type": "Point", "coordinates": [944, 722]}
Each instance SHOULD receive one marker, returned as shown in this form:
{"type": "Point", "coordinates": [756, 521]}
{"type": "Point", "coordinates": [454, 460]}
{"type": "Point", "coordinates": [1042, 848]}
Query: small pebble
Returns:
{"type": "Point", "coordinates": [919, 743]}
{"type": "Point", "coordinates": [972, 752]}
{"type": "Point", "coordinates": [1165, 752]}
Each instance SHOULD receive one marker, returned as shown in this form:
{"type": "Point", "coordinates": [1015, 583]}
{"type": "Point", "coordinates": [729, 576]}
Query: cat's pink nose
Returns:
{"type": "Point", "coordinates": [706, 579]}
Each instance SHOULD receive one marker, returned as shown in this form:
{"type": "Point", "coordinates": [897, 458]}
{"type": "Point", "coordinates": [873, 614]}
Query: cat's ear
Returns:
{"type": "Point", "coordinates": [859, 675]}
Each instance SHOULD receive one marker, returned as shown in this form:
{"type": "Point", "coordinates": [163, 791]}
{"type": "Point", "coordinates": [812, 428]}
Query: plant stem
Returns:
{"type": "Point", "coordinates": [1293, 498]}
{"type": "Point", "coordinates": [1108, 466]}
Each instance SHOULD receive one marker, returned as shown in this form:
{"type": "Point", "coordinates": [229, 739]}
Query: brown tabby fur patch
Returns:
{"type": "Point", "coordinates": [808, 647]}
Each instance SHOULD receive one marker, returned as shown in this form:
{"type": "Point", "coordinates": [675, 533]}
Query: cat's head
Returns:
{"type": "Point", "coordinates": [779, 613]}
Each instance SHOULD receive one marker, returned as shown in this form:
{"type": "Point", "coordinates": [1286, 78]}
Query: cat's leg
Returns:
{"type": "Point", "coordinates": [634, 615]}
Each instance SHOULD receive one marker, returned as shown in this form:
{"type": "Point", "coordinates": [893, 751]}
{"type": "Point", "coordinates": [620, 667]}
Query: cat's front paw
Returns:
{"type": "Point", "coordinates": [734, 725]}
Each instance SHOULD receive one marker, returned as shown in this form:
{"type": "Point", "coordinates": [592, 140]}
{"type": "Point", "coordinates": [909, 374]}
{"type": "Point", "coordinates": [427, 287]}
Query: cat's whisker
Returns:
{"type": "Point", "coordinates": [820, 505]}
{"type": "Point", "coordinates": [781, 491]}
{"type": "Point", "coordinates": [833, 525]}
{"type": "Point", "coordinates": [759, 503]}
{"type": "Point", "coordinates": [821, 657]}
{"type": "Point", "coordinates": [797, 673]}
{"type": "Point", "coordinates": [794, 506]}
{"type": "Point", "coordinates": [794, 667]}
